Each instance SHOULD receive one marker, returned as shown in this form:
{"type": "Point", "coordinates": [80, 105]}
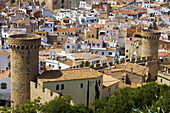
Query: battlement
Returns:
{"type": "Point", "coordinates": [24, 46]}
{"type": "Point", "coordinates": [148, 34]}
{"type": "Point", "coordinates": [44, 93]}
{"type": "Point", "coordinates": [94, 66]}
{"type": "Point", "coordinates": [138, 60]}
{"type": "Point", "coordinates": [21, 40]}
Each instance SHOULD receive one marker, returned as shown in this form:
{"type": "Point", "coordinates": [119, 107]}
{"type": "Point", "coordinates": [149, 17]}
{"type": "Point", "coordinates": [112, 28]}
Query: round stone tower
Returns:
{"type": "Point", "coordinates": [24, 52]}
{"type": "Point", "coordinates": [150, 43]}
{"type": "Point", "coordinates": [150, 46]}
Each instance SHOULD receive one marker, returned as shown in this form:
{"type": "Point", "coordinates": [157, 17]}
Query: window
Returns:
{"type": "Point", "coordinates": [3, 86]}
{"type": "Point", "coordinates": [62, 1]}
{"type": "Point", "coordinates": [68, 47]}
{"type": "Point", "coordinates": [110, 53]}
{"type": "Point", "coordinates": [102, 53]}
{"type": "Point", "coordinates": [161, 80]}
{"type": "Point", "coordinates": [92, 36]}
{"type": "Point", "coordinates": [57, 87]}
{"type": "Point", "coordinates": [116, 86]}
{"type": "Point", "coordinates": [98, 45]}
{"type": "Point", "coordinates": [62, 86]}
{"type": "Point", "coordinates": [81, 85]}
{"type": "Point", "coordinates": [99, 82]}
{"type": "Point", "coordinates": [109, 89]}
{"type": "Point", "coordinates": [43, 89]}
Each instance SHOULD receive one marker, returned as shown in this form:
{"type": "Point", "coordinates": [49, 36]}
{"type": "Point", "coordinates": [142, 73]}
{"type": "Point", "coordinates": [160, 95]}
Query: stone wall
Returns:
{"type": "Point", "coordinates": [44, 93]}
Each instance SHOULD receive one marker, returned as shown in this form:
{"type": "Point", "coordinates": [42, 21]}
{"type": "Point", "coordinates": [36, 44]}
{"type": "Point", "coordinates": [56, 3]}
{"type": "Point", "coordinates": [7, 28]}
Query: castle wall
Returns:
{"type": "Point", "coordinates": [44, 93]}
{"type": "Point", "coordinates": [153, 69]}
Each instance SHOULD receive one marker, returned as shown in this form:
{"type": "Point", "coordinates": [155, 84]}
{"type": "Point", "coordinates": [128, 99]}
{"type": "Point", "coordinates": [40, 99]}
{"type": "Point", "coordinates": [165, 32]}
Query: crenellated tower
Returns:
{"type": "Point", "coordinates": [150, 46]}
{"type": "Point", "coordinates": [24, 52]}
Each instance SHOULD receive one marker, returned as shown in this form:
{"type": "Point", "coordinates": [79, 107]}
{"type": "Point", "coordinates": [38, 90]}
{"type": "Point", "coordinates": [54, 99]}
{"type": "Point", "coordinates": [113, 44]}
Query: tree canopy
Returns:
{"type": "Point", "coordinates": [128, 99]}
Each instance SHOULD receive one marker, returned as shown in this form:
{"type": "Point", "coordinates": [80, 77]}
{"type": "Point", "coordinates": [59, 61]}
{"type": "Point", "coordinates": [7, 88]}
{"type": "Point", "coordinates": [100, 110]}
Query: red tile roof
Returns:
{"type": "Point", "coordinates": [162, 54]}
{"type": "Point", "coordinates": [67, 29]}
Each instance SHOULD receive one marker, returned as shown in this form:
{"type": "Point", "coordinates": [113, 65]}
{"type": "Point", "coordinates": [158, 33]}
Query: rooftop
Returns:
{"type": "Point", "coordinates": [4, 53]}
{"type": "Point", "coordinates": [25, 36]}
{"type": "Point", "coordinates": [69, 74]}
{"type": "Point", "coordinates": [85, 56]}
{"type": "Point", "coordinates": [108, 80]}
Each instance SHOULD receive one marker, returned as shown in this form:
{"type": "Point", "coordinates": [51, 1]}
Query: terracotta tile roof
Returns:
{"type": "Point", "coordinates": [85, 56]}
{"type": "Point", "coordinates": [138, 69]}
{"type": "Point", "coordinates": [167, 66]}
{"type": "Point", "coordinates": [67, 29]}
{"type": "Point", "coordinates": [49, 50]}
{"type": "Point", "coordinates": [162, 54]}
{"type": "Point", "coordinates": [5, 74]}
{"type": "Point", "coordinates": [69, 74]}
{"type": "Point", "coordinates": [108, 39]}
{"type": "Point", "coordinates": [50, 20]}
{"type": "Point", "coordinates": [93, 40]}
{"type": "Point", "coordinates": [122, 85]}
{"type": "Point", "coordinates": [71, 43]}
{"type": "Point", "coordinates": [108, 80]}
{"type": "Point", "coordinates": [111, 49]}
{"type": "Point", "coordinates": [4, 53]}
{"type": "Point", "coordinates": [130, 12]}
{"type": "Point", "coordinates": [19, 21]}
{"type": "Point", "coordinates": [69, 62]}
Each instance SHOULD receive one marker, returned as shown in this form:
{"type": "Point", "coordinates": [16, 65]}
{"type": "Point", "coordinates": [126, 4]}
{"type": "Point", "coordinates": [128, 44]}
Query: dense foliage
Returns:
{"type": "Point", "coordinates": [128, 100]}
{"type": "Point", "coordinates": [148, 98]}
{"type": "Point", "coordinates": [62, 105]}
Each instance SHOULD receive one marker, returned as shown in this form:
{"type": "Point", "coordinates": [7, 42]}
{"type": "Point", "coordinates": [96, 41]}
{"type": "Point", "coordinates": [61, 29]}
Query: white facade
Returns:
{"type": "Point", "coordinates": [5, 89]}
{"type": "Point", "coordinates": [6, 80]}
{"type": "Point", "coordinates": [55, 64]}
{"type": "Point", "coordinates": [88, 19]}
{"type": "Point", "coordinates": [77, 89]}
{"type": "Point", "coordinates": [4, 63]}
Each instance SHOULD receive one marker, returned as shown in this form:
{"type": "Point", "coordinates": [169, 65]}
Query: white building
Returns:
{"type": "Point", "coordinates": [79, 84]}
{"type": "Point", "coordinates": [5, 88]}
{"type": "Point", "coordinates": [4, 61]}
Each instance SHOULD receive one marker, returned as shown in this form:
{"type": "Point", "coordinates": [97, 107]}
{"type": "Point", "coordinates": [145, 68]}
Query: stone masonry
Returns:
{"type": "Point", "coordinates": [24, 52]}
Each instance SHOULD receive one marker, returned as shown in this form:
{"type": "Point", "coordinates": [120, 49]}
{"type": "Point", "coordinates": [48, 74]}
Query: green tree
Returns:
{"type": "Point", "coordinates": [129, 99]}
{"type": "Point", "coordinates": [97, 92]}
{"type": "Point", "coordinates": [29, 107]}
{"type": "Point", "coordinates": [58, 105]}
{"type": "Point", "coordinates": [62, 105]}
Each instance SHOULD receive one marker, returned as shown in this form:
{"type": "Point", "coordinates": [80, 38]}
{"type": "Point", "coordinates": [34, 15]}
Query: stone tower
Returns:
{"type": "Point", "coordinates": [150, 43]}
{"type": "Point", "coordinates": [24, 52]}
{"type": "Point", "coordinates": [150, 46]}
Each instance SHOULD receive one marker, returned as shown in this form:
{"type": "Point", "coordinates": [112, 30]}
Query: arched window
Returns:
{"type": "Point", "coordinates": [62, 86]}
{"type": "Point", "coordinates": [81, 85]}
{"type": "Point", "coordinates": [57, 87]}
